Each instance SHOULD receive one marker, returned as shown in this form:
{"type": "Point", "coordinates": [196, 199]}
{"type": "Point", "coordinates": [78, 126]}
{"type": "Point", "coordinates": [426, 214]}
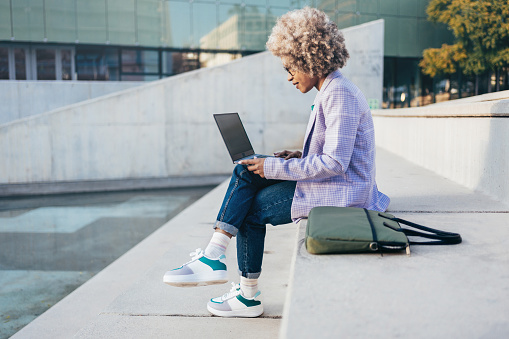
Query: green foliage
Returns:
{"type": "Point", "coordinates": [481, 29]}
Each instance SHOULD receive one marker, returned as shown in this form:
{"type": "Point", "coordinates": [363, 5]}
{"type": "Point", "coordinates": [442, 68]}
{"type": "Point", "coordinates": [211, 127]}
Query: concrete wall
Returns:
{"type": "Point", "coordinates": [365, 67]}
{"type": "Point", "coordinates": [165, 128]}
{"type": "Point", "coordinates": [21, 99]}
{"type": "Point", "coordinates": [466, 140]}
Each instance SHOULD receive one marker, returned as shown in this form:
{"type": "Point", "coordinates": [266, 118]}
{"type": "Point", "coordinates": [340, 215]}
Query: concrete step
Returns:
{"type": "Point", "coordinates": [455, 291]}
{"type": "Point", "coordinates": [129, 300]}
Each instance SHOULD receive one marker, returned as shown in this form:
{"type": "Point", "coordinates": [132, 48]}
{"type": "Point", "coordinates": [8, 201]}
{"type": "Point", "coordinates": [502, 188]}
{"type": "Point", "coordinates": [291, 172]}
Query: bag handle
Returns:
{"type": "Point", "coordinates": [439, 237]}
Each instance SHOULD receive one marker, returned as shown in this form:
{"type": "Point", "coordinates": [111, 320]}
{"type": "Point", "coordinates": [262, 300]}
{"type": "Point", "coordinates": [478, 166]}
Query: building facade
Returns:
{"type": "Point", "coordinates": [123, 40]}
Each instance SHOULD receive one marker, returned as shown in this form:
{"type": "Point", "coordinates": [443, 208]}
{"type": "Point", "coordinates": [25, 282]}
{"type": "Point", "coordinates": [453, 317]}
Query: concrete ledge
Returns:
{"type": "Point", "coordinates": [494, 105]}
{"type": "Point", "coordinates": [455, 291]}
{"type": "Point", "coordinates": [465, 141]}
{"type": "Point", "coordinates": [43, 188]}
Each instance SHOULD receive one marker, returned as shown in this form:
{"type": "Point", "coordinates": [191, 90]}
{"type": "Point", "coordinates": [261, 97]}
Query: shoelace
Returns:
{"type": "Point", "coordinates": [235, 291]}
{"type": "Point", "coordinates": [194, 255]}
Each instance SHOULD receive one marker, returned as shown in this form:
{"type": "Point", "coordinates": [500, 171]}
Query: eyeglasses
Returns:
{"type": "Point", "coordinates": [286, 69]}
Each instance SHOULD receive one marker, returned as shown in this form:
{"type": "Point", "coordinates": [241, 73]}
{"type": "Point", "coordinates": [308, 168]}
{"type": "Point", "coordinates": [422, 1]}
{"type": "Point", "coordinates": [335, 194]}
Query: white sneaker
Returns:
{"type": "Point", "coordinates": [200, 271]}
{"type": "Point", "coordinates": [234, 304]}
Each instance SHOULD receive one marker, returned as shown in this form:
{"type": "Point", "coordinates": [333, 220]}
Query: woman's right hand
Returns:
{"type": "Point", "coordinates": [288, 154]}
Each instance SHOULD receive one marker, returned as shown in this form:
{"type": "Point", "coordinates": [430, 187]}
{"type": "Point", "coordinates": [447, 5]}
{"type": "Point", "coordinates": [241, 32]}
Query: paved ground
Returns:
{"type": "Point", "coordinates": [50, 245]}
{"type": "Point", "coordinates": [129, 300]}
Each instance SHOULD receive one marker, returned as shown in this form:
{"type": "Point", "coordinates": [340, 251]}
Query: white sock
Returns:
{"type": "Point", "coordinates": [217, 245]}
{"type": "Point", "coordinates": [249, 287]}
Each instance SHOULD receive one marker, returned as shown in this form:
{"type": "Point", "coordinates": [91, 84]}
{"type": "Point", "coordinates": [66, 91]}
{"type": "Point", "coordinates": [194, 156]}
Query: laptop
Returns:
{"type": "Point", "coordinates": [235, 137]}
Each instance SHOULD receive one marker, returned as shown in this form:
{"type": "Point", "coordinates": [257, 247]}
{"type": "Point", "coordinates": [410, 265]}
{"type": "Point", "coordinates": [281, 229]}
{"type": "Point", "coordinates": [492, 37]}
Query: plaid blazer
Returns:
{"type": "Point", "coordinates": [337, 167]}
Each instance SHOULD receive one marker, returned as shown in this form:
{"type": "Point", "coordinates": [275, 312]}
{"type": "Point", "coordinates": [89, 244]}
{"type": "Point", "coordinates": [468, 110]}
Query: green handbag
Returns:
{"type": "Point", "coordinates": [336, 230]}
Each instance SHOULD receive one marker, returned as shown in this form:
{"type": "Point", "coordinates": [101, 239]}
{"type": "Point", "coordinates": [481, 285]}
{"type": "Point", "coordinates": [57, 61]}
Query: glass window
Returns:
{"type": "Point", "coordinates": [302, 3]}
{"type": "Point", "coordinates": [230, 33]}
{"type": "Point", "coordinates": [367, 18]}
{"type": "Point", "coordinates": [347, 6]}
{"type": "Point", "coordinates": [5, 20]}
{"type": "Point", "coordinates": [167, 63]}
{"type": "Point", "coordinates": [344, 20]}
{"type": "Point", "coordinates": [256, 2]}
{"type": "Point", "coordinates": [91, 21]}
{"type": "Point", "coordinates": [131, 61]}
{"type": "Point", "coordinates": [149, 22]}
{"type": "Point", "coordinates": [139, 61]}
{"type": "Point", "coordinates": [4, 63]}
{"type": "Point", "coordinates": [421, 11]}
{"type": "Point", "coordinates": [326, 5]}
{"type": "Point", "coordinates": [46, 69]}
{"type": "Point", "coordinates": [409, 7]}
{"type": "Point", "coordinates": [214, 59]}
{"type": "Point", "coordinates": [20, 63]}
{"type": "Point", "coordinates": [408, 38]}
{"type": "Point", "coordinates": [121, 23]}
{"type": "Point", "coordinates": [184, 62]}
{"type": "Point", "coordinates": [256, 23]}
{"type": "Point", "coordinates": [178, 24]}
{"type": "Point", "coordinates": [389, 7]}
{"type": "Point", "coordinates": [66, 56]}
{"type": "Point", "coordinates": [368, 6]}
{"type": "Point", "coordinates": [282, 3]}
{"type": "Point", "coordinates": [391, 36]}
{"type": "Point", "coordinates": [97, 64]}
{"type": "Point", "coordinates": [204, 25]}
{"type": "Point", "coordinates": [28, 20]}
{"type": "Point", "coordinates": [272, 15]}
{"type": "Point", "coordinates": [60, 20]}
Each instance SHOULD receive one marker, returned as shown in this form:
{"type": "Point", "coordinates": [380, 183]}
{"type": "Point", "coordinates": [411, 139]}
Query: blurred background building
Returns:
{"type": "Point", "coordinates": [143, 40]}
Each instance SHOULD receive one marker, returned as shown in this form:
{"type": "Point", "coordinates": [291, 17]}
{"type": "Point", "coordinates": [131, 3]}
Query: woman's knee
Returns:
{"type": "Point", "coordinates": [240, 170]}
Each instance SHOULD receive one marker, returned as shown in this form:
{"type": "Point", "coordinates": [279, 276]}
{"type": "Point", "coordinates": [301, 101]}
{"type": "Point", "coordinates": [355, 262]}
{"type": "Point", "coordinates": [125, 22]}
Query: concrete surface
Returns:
{"type": "Point", "coordinates": [165, 128]}
{"type": "Point", "coordinates": [129, 299]}
{"type": "Point", "coordinates": [465, 141]}
{"type": "Point", "coordinates": [365, 68]}
{"type": "Point", "coordinates": [23, 98]}
{"type": "Point", "coordinates": [458, 291]}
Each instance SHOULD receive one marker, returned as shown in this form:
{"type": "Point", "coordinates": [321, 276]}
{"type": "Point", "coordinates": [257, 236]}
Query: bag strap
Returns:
{"type": "Point", "coordinates": [373, 245]}
{"type": "Point", "coordinates": [439, 237]}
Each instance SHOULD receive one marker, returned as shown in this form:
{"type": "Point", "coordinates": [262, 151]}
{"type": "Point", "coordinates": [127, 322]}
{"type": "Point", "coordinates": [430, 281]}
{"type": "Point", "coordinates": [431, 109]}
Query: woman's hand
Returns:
{"type": "Point", "coordinates": [288, 154]}
{"type": "Point", "coordinates": [254, 165]}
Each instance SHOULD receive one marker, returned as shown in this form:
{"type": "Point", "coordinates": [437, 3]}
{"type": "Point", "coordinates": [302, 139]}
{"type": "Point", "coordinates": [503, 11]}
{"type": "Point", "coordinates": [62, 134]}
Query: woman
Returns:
{"type": "Point", "coordinates": [335, 168]}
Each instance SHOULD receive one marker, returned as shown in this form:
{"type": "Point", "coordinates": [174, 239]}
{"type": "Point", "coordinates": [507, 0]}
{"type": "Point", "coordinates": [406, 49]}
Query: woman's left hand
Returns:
{"type": "Point", "coordinates": [254, 165]}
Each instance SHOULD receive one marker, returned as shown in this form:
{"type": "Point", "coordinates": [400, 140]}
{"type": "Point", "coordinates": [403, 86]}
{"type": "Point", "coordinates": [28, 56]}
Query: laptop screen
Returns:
{"type": "Point", "coordinates": [234, 135]}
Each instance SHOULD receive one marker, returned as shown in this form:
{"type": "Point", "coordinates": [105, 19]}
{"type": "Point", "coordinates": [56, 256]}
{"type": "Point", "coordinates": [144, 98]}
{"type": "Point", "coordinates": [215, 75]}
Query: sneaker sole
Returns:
{"type": "Point", "coordinates": [195, 283]}
{"type": "Point", "coordinates": [203, 279]}
{"type": "Point", "coordinates": [250, 312]}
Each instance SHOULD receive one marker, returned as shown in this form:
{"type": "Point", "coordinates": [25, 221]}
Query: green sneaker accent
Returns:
{"type": "Point", "coordinates": [216, 265]}
{"type": "Point", "coordinates": [248, 302]}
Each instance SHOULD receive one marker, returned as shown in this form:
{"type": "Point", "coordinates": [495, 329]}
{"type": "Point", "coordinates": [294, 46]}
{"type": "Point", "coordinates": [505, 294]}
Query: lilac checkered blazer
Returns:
{"type": "Point", "coordinates": [337, 167]}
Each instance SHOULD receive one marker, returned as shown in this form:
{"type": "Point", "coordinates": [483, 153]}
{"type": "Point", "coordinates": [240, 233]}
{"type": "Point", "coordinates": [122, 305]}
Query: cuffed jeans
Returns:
{"type": "Point", "coordinates": [250, 203]}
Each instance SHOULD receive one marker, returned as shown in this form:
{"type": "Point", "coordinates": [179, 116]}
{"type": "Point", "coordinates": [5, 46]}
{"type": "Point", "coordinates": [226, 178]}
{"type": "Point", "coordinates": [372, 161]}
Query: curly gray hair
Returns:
{"type": "Point", "coordinates": [307, 41]}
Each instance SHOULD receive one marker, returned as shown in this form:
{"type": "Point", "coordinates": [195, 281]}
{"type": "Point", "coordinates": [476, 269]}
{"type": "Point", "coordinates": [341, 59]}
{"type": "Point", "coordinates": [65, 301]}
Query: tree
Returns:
{"type": "Point", "coordinates": [481, 30]}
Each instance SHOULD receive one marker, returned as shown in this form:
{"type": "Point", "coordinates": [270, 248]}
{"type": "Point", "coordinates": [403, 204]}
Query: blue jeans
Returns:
{"type": "Point", "coordinates": [250, 203]}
